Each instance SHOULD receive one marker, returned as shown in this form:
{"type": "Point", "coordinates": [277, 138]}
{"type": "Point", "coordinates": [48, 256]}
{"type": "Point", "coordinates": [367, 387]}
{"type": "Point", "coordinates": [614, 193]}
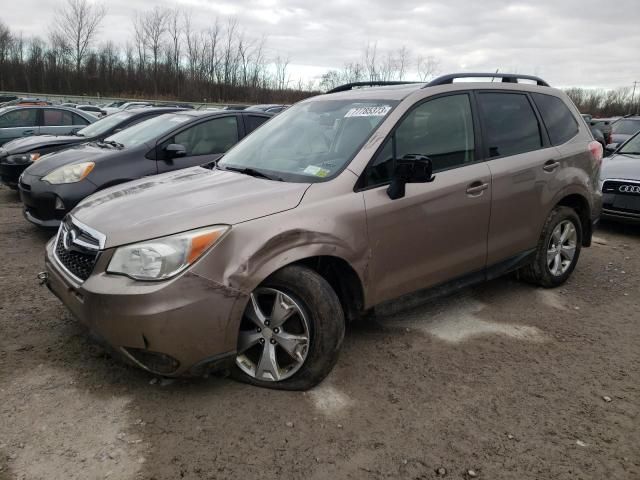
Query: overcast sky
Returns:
{"type": "Point", "coordinates": [567, 42]}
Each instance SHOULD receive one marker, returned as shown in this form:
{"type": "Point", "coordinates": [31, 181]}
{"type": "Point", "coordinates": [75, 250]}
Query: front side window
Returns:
{"type": "Point", "coordinates": [632, 147]}
{"type": "Point", "coordinates": [27, 117]}
{"type": "Point", "coordinates": [441, 129]}
{"type": "Point", "coordinates": [560, 123]}
{"type": "Point", "coordinates": [510, 124]}
{"type": "Point", "coordinates": [104, 125]}
{"type": "Point", "coordinates": [206, 138]}
{"type": "Point", "coordinates": [311, 141]}
{"type": "Point", "coordinates": [626, 127]}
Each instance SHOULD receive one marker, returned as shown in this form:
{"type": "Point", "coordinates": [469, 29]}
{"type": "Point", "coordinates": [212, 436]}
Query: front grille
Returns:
{"type": "Point", "coordinates": [77, 250]}
{"type": "Point", "coordinates": [621, 187]}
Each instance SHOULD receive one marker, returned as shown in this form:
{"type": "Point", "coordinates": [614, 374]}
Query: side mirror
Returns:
{"type": "Point", "coordinates": [412, 168]}
{"type": "Point", "coordinates": [611, 148]}
{"type": "Point", "coordinates": [175, 150]}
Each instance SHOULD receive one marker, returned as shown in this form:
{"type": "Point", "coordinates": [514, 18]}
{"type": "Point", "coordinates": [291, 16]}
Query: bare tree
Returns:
{"type": "Point", "coordinates": [427, 67]}
{"type": "Point", "coordinates": [150, 31]}
{"type": "Point", "coordinates": [77, 23]}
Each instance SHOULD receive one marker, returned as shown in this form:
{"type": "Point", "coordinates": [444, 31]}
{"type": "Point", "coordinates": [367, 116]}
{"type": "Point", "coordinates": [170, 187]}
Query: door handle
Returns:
{"type": "Point", "coordinates": [27, 132]}
{"type": "Point", "coordinates": [551, 165]}
{"type": "Point", "coordinates": [477, 188]}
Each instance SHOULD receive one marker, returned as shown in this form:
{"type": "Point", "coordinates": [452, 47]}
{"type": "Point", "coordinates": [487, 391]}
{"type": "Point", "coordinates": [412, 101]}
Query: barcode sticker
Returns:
{"type": "Point", "coordinates": [378, 111]}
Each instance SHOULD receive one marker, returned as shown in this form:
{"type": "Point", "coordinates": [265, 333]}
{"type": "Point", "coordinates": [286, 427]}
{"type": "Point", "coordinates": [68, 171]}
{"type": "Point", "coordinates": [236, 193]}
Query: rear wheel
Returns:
{"type": "Point", "coordinates": [558, 249]}
{"type": "Point", "coordinates": [291, 331]}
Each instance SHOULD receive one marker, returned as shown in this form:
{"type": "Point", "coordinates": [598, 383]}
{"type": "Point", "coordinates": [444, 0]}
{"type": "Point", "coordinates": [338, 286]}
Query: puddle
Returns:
{"type": "Point", "coordinates": [329, 400]}
{"type": "Point", "coordinates": [551, 299]}
{"type": "Point", "coordinates": [57, 430]}
{"type": "Point", "coordinates": [456, 319]}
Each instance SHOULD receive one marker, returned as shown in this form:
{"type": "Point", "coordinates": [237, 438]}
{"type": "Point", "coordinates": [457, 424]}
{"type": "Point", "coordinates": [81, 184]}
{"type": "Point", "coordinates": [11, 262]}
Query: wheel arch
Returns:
{"type": "Point", "coordinates": [579, 203]}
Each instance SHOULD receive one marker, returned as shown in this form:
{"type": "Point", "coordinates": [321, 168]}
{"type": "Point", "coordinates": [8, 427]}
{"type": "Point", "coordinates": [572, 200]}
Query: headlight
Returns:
{"type": "Point", "coordinates": [23, 158]}
{"type": "Point", "coordinates": [69, 173]}
{"type": "Point", "coordinates": [165, 257]}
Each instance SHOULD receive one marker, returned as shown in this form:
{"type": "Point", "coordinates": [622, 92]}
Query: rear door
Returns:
{"type": "Point", "coordinates": [204, 143]}
{"type": "Point", "coordinates": [21, 122]}
{"type": "Point", "coordinates": [438, 230]}
{"type": "Point", "coordinates": [523, 167]}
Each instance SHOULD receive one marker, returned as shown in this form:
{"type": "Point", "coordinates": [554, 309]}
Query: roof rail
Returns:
{"type": "Point", "coordinates": [506, 78]}
{"type": "Point", "coordinates": [375, 83]}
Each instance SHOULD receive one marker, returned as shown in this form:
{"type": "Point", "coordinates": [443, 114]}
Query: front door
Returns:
{"type": "Point", "coordinates": [21, 122]}
{"type": "Point", "coordinates": [438, 230]}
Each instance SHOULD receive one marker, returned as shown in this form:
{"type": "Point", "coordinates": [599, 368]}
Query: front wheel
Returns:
{"type": "Point", "coordinates": [558, 249]}
{"type": "Point", "coordinates": [291, 331]}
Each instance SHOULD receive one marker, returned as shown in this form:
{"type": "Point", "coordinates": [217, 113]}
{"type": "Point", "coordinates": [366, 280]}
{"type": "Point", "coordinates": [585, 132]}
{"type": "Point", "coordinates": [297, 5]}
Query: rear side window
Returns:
{"type": "Point", "coordinates": [253, 121]}
{"type": "Point", "coordinates": [510, 124]}
{"type": "Point", "coordinates": [560, 123]}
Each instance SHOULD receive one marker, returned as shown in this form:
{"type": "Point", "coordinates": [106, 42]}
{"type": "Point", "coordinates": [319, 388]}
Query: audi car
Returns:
{"type": "Point", "coordinates": [620, 178]}
{"type": "Point", "coordinates": [55, 184]}
{"type": "Point", "coordinates": [18, 154]}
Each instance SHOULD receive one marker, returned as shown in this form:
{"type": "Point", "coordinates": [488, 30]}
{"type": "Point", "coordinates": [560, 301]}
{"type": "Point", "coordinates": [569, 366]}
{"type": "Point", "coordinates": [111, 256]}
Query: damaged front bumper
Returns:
{"type": "Point", "coordinates": [184, 326]}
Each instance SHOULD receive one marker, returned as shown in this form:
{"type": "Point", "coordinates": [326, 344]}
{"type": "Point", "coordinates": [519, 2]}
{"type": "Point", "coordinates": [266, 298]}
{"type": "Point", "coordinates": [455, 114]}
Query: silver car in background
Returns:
{"type": "Point", "coordinates": [18, 122]}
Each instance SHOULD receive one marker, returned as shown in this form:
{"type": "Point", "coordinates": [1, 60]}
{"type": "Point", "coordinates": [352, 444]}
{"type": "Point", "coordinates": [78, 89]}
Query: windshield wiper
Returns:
{"type": "Point", "coordinates": [630, 153]}
{"type": "Point", "coordinates": [253, 172]}
{"type": "Point", "coordinates": [78, 134]}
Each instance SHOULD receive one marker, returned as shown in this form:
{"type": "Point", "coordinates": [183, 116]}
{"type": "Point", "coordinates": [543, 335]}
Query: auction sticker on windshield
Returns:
{"type": "Point", "coordinates": [316, 171]}
{"type": "Point", "coordinates": [377, 111]}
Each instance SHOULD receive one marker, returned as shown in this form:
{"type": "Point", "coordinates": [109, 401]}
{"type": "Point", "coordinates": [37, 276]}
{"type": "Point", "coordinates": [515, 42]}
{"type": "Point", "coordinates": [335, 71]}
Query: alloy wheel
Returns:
{"type": "Point", "coordinates": [562, 248]}
{"type": "Point", "coordinates": [273, 341]}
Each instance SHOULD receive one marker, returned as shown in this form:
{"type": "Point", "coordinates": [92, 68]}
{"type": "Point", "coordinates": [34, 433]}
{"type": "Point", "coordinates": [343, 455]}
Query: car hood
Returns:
{"type": "Point", "coordinates": [28, 144]}
{"type": "Point", "coordinates": [75, 154]}
{"type": "Point", "coordinates": [621, 166]}
{"type": "Point", "coordinates": [183, 200]}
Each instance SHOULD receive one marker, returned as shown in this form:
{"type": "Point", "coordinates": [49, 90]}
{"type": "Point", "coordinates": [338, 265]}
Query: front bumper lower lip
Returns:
{"type": "Point", "coordinates": [52, 223]}
{"type": "Point", "coordinates": [189, 321]}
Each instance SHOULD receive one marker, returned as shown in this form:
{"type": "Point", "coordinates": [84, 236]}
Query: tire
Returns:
{"type": "Point", "coordinates": [544, 269]}
{"type": "Point", "coordinates": [317, 314]}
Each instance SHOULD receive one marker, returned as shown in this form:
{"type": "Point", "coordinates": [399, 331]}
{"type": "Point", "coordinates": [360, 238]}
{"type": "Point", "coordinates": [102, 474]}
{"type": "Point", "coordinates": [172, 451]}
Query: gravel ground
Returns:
{"type": "Point", "coordinates": [500, 381]}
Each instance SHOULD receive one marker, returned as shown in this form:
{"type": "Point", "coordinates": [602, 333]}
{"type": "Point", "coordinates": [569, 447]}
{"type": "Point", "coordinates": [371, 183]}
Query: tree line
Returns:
{"type": "Point", "coordinates": [606, 103]}
{"type": "Point", "coordinates": [166, 58]}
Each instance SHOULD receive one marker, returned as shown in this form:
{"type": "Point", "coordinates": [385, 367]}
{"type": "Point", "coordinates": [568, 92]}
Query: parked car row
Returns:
{"type": "Point", "coordinates": [257, 260]}
{"type": "Point", "coordinates": [612, 132]}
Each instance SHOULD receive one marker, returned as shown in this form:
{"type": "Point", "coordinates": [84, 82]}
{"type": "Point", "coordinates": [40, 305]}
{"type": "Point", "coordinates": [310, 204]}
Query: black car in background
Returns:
{"type": "Point", "coordinates": [623, 129]}
{"type": "Point", "coordinates": [18, 154]}
{"type": "Point", "coordinates": [269, 108]}
{"type": "Point", "coordinates": [56, 183]}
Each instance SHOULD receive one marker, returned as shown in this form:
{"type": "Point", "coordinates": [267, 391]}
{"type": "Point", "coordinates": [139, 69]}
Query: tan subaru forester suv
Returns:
{"type": "Point", "coordinates": [342, 202]}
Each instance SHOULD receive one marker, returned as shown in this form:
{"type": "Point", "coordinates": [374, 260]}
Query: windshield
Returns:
{"type": "Point", "coordinates": [103, 126]}
{"type": "Point", "coordinates": [632, 146]}
{"type": "Point", "coordinates": [310, 141]}
{"type": "Point", "coordinates": [626, 127]}
{"type": "Point", "coordinates": [148, 130]}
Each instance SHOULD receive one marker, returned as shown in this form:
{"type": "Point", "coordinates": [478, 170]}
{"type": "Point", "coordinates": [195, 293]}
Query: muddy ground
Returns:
{"type": "Point", "coordinates": [503, 379]}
